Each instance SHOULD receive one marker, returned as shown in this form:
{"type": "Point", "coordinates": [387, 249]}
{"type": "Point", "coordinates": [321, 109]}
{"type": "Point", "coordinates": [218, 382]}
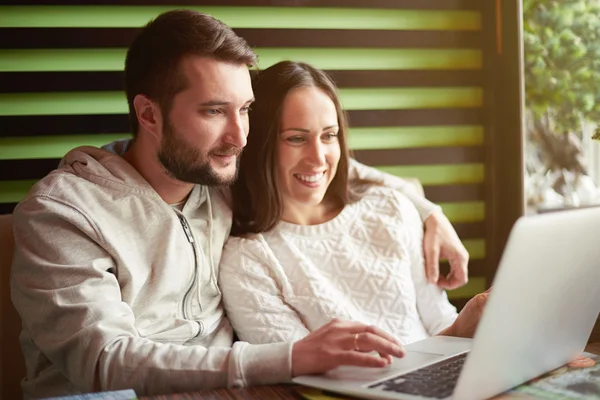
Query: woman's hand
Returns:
{"type": "Point", "coordinates": [343, 343]}
{"type": "Point", "coordinates": [466, 323]}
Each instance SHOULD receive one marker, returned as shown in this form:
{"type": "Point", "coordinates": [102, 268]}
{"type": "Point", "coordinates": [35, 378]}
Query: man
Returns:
{"type": "Point", "coordinates": [116, 258]}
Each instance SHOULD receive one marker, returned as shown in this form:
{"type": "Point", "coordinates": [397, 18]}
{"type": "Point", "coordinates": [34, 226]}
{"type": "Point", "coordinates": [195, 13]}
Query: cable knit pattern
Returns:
{"type": "Point", "coordinates": [365, 265]}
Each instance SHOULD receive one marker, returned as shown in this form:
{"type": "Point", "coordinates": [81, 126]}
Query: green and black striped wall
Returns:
{"type": "Point", "coordinates": [411, 76]}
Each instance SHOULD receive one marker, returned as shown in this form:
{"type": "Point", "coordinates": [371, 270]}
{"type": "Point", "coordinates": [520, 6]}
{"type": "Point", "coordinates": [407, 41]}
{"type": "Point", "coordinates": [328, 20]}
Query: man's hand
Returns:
{"type": "Point", "coordinates": [442, 241]}
{"type": "Point", "coordinates": [468, 318]}
{"type": "Point", "coordinates": [343, 343]}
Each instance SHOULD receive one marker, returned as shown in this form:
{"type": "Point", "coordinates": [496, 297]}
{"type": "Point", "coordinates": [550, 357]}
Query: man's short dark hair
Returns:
{"type": "Point", "coordinates": [152, 66]}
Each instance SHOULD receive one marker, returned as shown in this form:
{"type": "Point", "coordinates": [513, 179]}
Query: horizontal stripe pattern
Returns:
{"type": "Point", "coordinates": [410, 78]}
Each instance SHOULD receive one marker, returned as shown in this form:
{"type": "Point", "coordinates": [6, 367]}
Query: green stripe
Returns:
{"type": "Point", "coordinates": [473, 287]}
{"type": "Point", "coordinates": [360, 58]}
{"type": "Point", "coordinates": [475, 247]}
{"type": "Point", "coordinates": [439, 174]}
{"type": "Point", "coordinates": [392, 137]}
{"type": "Point", "coordinates": [65, 103]}
{"type": "Point", "coordinates": [72, 103]}
{"type": "Point", "coordinates": [29, 60]}
{"type": "Point", "coordinates": [22, 148]}
{"type": "Point", "coordinates": [14, 191]}
{"type": "Point", "coordinates": [241, 17]}
{"type": "Point", "coordinates": [464, 211]}
{"type": "Point", "coordinates": [407, 98]}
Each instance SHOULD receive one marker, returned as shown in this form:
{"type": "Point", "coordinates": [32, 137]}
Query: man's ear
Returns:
{"type": "Point", "coordinates": [148, 115]}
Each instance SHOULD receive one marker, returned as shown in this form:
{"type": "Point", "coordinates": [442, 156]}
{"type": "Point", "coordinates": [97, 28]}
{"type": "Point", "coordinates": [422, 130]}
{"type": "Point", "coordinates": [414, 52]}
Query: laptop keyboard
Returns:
{"type": "Point", "coordinates": [436, 381]}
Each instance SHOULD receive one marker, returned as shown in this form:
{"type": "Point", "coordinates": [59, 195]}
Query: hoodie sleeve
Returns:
{"type": "Point", "coordinates": [360, 173]}
{"type": "Point", "coordinates": [71, 308]}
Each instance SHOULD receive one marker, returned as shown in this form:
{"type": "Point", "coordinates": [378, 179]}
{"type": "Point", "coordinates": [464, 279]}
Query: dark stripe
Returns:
{"type": "Point", "coordinates": [391, 4]}
{"type": "Point", "coordinates": [421, 156]}
{"type": "Point", "coordinates": [22, 82]}
{"type": "Point", "coordinates": [7, 208]}
{"type": "Point", "coordinates": [55, 38]}
{"type": "Point", "coordinates": [364, 118]}
{"type": "Point", "coordinates": [469, 230]}
{"type": "Point", "coordinates": [47, 125]}
{"type": "Point", "coordinates": [452, 193]}
{"type": "Point", "coordinates": [12, 170]}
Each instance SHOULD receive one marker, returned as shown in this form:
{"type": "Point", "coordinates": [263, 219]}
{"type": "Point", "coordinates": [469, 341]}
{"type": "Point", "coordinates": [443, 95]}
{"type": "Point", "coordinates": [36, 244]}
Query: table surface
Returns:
{"type": "Point", "coordinates": [269, 392]}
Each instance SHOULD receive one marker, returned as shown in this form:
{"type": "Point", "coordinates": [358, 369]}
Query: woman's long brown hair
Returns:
{"type": "Point", "coordinates": [257, 201]}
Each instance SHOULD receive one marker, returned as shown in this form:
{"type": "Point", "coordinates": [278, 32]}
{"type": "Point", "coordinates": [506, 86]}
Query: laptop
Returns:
{"type": "Point", "coordinates": [539, 316]}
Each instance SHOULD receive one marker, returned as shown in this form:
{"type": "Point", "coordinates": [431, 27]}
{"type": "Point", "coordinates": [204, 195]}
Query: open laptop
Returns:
{"type": "Point", "coordinates": [539, 315]}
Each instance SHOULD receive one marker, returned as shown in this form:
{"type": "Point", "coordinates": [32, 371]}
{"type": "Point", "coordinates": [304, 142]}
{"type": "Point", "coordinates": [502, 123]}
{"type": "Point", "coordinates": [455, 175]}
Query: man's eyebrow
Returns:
{"type": "Point", "coordinates": [213, 103]}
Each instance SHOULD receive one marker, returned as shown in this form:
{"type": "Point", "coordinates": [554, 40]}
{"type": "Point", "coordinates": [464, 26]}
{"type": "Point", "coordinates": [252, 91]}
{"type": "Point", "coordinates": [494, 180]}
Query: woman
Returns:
{"type": "Point", "coordinates": [308, 249]}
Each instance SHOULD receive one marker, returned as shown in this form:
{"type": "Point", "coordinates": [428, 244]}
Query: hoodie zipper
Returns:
{"type": "Point", "coordinates": [190, 237]}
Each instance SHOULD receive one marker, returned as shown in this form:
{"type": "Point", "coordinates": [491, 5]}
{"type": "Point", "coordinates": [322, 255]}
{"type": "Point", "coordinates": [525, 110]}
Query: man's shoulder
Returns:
{"type": "Point", "coordinates": [383, 201]}
{"type": "Point", "coordinates": [376, 193]}
{"type": "Point", "coordinates": [59, 185]}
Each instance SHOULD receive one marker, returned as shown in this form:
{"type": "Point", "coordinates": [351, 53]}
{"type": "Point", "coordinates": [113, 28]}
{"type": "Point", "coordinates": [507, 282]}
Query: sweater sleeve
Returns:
{"type": "Point", "coordinates": [252, 283]}
{"type": "Point", "coordinates": [359, 173]}
{"type": "Point", "coordinates": [71, 307]}
{"type": "Point", "coordinates": [433, 306]}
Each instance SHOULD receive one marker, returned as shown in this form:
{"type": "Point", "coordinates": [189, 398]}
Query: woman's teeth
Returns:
{"type": "Point", "coordinates": [310, 178]}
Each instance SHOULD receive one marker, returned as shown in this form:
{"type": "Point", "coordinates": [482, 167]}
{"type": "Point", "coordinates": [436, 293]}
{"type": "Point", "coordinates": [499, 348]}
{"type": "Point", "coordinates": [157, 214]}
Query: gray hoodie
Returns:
{"type": "Point", "coordinates": [117, 289]}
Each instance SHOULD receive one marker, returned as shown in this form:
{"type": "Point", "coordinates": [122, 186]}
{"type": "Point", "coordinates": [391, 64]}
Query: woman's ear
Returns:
{"type": "Point", "coordinates": [149, 116]}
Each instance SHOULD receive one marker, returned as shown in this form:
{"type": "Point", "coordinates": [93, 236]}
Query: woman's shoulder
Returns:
{"type": "Point", "coordinates": [245, 242]}
{"type": "Point", "coordinates": [247, 246]}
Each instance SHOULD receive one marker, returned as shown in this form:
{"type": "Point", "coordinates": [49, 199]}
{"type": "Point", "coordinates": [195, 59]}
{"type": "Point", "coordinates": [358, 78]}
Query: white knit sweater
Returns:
{"type": "Point", "coordinates": [365, 265]}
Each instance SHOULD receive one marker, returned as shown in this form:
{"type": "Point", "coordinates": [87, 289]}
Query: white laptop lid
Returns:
{"type": "Point", "coordinates": [543, 305]}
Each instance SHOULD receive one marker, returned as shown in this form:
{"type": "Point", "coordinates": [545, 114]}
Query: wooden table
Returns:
{"type": "Point", "coordinates": [269, 392]}
{"type": "Point", "coordinates": [252, 393]}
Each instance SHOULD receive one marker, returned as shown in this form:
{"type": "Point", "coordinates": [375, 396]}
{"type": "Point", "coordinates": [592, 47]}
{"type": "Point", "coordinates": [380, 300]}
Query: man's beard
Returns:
{"type": "Point", "coordinates": [187, 164]}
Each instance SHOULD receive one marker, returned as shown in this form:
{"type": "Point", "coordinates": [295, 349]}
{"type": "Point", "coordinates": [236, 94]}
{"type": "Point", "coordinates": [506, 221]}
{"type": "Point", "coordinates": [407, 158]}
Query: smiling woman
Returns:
{"type": "Point", "coordinates": [312, 245]}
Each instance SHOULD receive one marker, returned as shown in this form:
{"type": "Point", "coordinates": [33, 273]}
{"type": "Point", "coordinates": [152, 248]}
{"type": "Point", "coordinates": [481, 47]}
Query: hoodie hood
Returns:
{"type": "Point", "coordinates": [105, 168]}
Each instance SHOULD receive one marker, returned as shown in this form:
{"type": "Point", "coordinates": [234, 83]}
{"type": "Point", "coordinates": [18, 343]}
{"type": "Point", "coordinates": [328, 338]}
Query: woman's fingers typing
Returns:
{"type": "Point", "coordinates": [343, 343]}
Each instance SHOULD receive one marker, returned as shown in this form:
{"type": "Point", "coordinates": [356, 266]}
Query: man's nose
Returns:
{"type": "Point", "coordinates": [236, 134]}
